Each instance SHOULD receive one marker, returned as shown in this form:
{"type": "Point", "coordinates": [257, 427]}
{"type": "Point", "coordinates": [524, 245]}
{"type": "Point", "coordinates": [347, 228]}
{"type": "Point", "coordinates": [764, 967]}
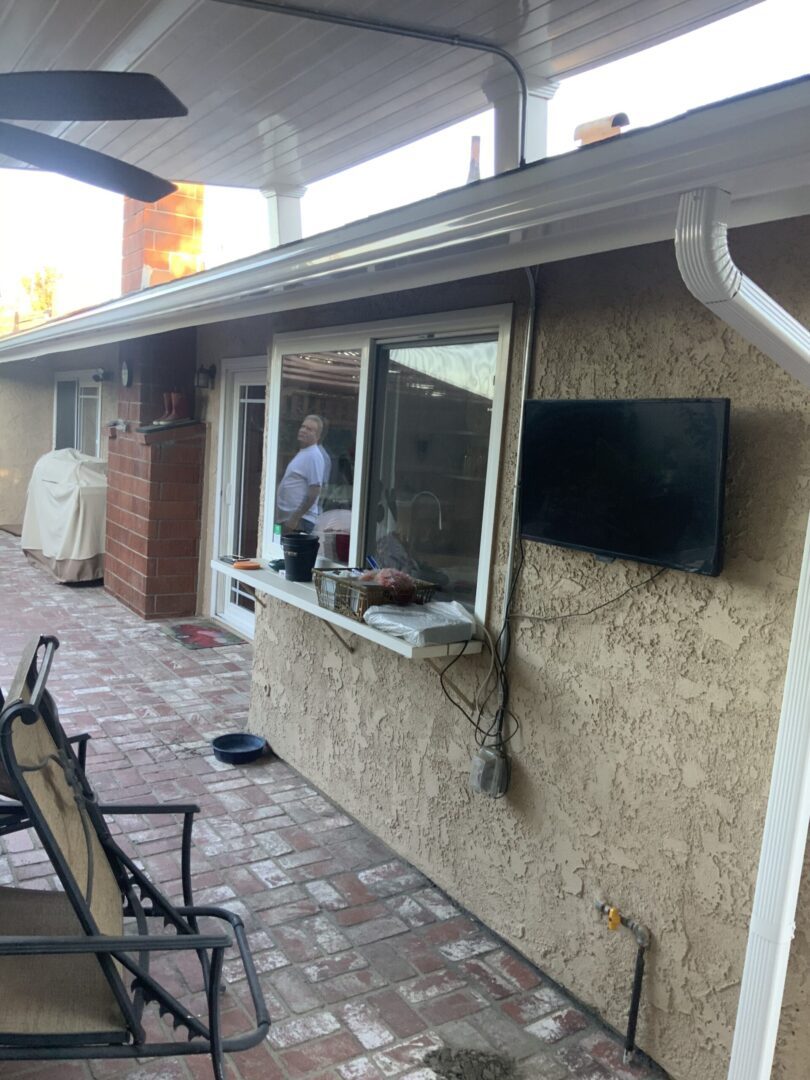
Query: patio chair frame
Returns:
{"type": "Point", "coordinates": [141, 900]}
{"type": "Point", "coordinates": [12, 815]}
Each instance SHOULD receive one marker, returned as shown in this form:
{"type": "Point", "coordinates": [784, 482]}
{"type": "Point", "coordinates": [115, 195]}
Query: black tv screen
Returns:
{"type": "Point", "coordinates": [639, 480]}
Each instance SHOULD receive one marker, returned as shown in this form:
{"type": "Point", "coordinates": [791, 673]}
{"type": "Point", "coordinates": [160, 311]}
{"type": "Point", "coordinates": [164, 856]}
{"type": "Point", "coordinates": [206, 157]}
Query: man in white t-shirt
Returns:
{"type": "Point", "coordinates": [297, 496]}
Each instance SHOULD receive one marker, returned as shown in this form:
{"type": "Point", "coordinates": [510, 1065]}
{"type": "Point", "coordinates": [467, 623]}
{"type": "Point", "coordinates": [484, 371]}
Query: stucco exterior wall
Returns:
{"type": "Point", "coordinates": [23, 397]}
{"type": "Point", "coordinates": [642, 766]}
{"type": "Point", "coordinates": [26, 417]}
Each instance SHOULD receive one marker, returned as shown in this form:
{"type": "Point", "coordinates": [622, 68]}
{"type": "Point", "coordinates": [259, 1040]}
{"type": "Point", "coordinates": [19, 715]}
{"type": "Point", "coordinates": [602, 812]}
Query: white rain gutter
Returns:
{"type": "Point", "coordinates": [609, 195]}
{"type": "Point", "coordinates": [711, 276]}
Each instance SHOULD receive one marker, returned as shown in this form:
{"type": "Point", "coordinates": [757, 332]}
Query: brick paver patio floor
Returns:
{"type": "Point", "coordinates": [366, 966]}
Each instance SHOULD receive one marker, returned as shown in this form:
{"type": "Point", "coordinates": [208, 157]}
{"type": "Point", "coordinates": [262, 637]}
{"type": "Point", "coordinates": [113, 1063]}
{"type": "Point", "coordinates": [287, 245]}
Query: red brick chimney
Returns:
{"type": "Point", "coordinates": [162, 240]}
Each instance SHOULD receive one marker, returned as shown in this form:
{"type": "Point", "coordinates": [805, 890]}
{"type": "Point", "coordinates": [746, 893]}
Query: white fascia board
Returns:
{"type": "Point", "coordinates": [619, 193]}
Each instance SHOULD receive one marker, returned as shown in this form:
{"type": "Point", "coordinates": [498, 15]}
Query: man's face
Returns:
{"type": "Point", "coordinates": [308, 432]}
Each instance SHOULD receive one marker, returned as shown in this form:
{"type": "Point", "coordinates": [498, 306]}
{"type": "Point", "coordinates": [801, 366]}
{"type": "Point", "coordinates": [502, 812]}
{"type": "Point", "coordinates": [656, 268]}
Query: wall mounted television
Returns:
{"type": "Point", "coordinates": [641, 480]}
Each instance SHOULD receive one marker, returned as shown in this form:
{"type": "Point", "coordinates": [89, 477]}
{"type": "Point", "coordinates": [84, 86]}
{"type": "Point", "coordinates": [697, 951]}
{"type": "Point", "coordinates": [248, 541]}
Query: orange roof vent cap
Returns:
{"type": "Point", "coordinates": [606, 127]}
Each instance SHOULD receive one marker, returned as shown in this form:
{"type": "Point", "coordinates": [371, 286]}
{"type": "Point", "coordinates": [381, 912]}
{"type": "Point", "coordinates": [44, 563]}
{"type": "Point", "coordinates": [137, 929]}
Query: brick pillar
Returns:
{"type": "Point", "coordinates": [154, 507]}
{"type": "Point", "coordinates": [154, 484]}
{"type": "Point", "coordinates": [162, 240]}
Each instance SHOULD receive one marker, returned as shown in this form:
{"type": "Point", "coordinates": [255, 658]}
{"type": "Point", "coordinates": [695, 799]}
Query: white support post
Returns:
{"type": "Point", "coordinates": [284, 213]}
{"type": "Point", "coordinates": [507, 125]}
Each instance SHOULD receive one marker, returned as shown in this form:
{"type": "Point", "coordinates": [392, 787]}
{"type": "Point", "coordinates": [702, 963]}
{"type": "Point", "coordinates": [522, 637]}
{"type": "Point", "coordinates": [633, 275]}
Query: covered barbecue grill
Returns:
{"type": "Point", "coordinates": [65, 512]}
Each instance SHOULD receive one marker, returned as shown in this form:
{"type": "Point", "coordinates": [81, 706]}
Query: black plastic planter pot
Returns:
{"type": "Point", "coordinates": [300, 551]}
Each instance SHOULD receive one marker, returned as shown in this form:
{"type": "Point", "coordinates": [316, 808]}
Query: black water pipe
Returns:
{"type": "Point", "coordinates": [635, 1001]}
{"type": "Point", "coordinates": [643, 938]}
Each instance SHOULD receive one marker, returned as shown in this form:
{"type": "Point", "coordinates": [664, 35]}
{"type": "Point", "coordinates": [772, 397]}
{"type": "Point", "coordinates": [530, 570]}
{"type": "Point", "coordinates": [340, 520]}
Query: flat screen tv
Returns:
{"type": "Point", "coordinates": [640, 480]}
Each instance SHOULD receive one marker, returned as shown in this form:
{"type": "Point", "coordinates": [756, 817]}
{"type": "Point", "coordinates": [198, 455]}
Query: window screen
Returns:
{"type": "Point", "coordinates": [66, 401]}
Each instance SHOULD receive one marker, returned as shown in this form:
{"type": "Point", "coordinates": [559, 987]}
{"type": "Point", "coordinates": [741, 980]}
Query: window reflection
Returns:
{"type": "Point", "coordinates": [432, 423]}
{"type": "Point", "coordinates": [316, 447]}
{"type": "Point", "coordinates": [87, 437]}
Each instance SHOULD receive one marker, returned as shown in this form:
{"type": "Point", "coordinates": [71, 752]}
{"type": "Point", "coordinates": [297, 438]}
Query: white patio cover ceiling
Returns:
{"type": "Point", "coordinates": [615, 194]}
{"type": "Point", "coordinates": [277, 100]}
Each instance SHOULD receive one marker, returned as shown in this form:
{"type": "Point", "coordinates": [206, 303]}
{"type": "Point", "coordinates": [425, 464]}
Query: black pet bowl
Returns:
{"type": "Point", "coordinates": [238, 749]}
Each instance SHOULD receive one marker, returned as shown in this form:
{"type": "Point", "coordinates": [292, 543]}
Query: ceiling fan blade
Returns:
{"type": "Point", "coordinates": [86, 95]}
{"type": "Point", "coordinates": [101, 170]}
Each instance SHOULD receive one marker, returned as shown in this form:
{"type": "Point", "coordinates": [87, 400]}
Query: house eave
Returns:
{"type": "Point", "coordinates": [619, 193]}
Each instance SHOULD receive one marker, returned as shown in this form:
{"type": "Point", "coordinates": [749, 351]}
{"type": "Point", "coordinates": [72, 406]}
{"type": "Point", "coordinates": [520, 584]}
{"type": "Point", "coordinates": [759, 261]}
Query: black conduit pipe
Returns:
{"type": "Point", "coordinates": [643, 938]}
{"type": "Point", "coordinates": [635, 1001]}
{"type": "Point", "coordinates": [420, 33]}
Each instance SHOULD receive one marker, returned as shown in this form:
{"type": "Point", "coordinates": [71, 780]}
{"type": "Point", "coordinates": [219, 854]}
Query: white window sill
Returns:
{"type": "Point", "coordinates": [302, 595]}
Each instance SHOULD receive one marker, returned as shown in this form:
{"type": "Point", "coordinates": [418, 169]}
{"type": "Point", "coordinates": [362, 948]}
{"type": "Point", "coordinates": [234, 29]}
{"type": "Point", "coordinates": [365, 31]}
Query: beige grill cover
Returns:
{"type": "Point", "coordinates": [65, 513]}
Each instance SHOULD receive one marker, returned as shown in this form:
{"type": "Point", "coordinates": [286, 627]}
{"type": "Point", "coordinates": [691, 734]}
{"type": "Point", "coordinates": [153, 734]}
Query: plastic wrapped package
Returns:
{"type": "Point", "coordinates": [435, 623]}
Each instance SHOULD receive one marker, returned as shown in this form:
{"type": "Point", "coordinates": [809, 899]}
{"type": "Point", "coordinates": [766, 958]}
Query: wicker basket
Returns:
{"type": "Point", "coordinates": [339, 591]}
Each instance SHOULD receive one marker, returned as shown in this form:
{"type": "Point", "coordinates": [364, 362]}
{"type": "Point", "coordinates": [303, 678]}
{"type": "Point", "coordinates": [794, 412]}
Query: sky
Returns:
{"type": "Point", "coordinates": [48, 220]}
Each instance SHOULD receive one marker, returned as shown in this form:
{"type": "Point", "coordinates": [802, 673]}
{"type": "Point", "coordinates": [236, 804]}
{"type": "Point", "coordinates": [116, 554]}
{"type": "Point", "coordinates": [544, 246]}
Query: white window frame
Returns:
{"type": "Point", "coordinates": [366, 337]}
{"type": "Point", "coordinates": [229, 367]}
{"type": "Point", "coordinates": [82, 379]}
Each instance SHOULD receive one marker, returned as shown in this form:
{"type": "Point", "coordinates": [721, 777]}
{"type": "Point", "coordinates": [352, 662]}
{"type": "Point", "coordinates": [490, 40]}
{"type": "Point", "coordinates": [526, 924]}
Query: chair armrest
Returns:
{"type": "Point", "coordinates": [149, 808]}
{"type": "Point", "coordinates": [188, 810]}
{"type": "Point", "coordinates": [82, 741]}
{"type": "Point", "coordinates": [47, 946]}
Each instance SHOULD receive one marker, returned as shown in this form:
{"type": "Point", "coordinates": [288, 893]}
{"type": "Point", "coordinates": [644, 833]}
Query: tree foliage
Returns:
{"type": "Point", "coordinates": [41, 289]}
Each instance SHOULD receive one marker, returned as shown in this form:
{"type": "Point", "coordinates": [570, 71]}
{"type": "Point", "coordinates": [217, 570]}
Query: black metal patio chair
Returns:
{"type": "Point", "coordinates": [12, 815]}
{"type": "Point", "coordinates": [73, 983]}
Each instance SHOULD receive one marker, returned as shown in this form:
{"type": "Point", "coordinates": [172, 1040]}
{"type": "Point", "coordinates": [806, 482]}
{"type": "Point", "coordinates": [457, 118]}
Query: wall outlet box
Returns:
{"type": "Point", "coordinates": [489, 772]}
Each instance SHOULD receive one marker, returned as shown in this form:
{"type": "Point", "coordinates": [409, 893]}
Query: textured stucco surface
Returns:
{"type": "Point", "coordinates": [647, 730]}
{"type": "Point", "coordinates": [26, 417]}
{"type": "Point", "coordinates": [23, 396]}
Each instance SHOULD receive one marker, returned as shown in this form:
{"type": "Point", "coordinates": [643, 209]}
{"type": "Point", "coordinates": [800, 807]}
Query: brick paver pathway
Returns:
{"type": "Point", "coordinates": [366, 966]}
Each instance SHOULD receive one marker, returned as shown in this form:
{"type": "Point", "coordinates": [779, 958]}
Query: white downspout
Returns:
{"type": "Point", "coordinates": [780, 862]}
{"type": "Point", "coordinates": [707, 268]}
{"type": "Point", "coordinates": [711, 276]}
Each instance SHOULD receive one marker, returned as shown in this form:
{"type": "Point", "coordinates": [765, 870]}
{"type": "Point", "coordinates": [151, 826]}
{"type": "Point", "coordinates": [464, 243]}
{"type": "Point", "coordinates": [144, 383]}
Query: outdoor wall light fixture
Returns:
{"type": "Point", "coordinates": [204, 377]}
{"type": "Point", "coordinates": [100, 375]}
